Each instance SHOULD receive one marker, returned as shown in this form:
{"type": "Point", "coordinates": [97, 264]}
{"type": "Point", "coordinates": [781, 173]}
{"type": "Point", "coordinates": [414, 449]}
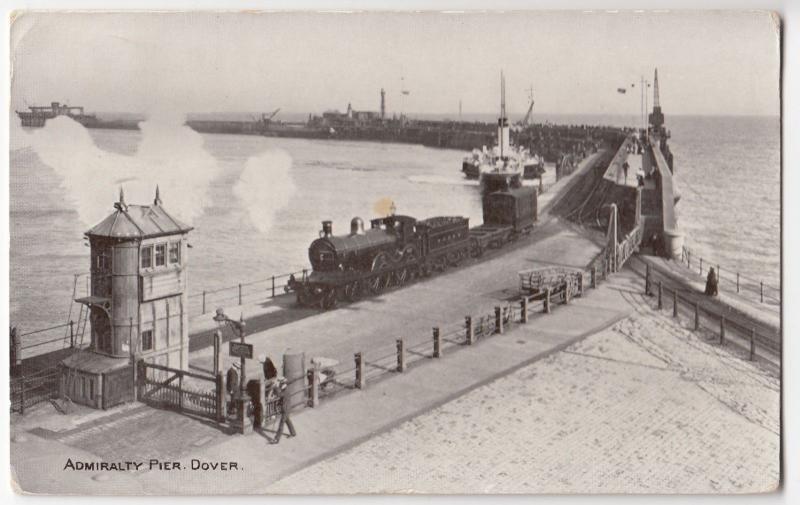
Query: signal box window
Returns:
{"type": "Point", "coordinates": [147, 257]}
{"type": "Point", "coordinates": [147, 340]}
{"type": "Point", "coordinates": [161, 255]}
{"type": "Point", "coordinates": [174, 253]}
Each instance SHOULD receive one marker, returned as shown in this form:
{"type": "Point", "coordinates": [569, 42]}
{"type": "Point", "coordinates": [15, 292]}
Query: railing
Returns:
{"type": "Point", "coordinates": [269, 287]}
{"type": "Point", "coordinates": [629, 245]}
{"type": "Point", "coordinates": [33, 389]}
{"type": "Point", "coordinates": [759, 290]}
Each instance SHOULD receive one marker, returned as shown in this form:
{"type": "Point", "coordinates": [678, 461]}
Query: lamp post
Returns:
{"type": "Point", "coordinates": [240, 399]}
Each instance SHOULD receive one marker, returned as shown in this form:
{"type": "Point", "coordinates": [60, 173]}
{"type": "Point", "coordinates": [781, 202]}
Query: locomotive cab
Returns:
{"type": "Point", "coordinates": [403, 227]}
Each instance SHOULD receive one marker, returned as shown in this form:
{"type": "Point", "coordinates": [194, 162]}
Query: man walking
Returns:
{"type": "Point", "coordinates": [284, 407]}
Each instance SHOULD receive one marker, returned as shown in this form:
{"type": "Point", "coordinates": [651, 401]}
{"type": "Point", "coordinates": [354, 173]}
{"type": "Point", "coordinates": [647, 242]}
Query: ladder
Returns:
{"type": "Point", "coordinates": [73, 334]}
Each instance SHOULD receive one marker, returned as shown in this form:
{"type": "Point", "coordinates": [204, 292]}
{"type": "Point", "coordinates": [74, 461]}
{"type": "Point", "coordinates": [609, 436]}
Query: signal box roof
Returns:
{"type": "Point", "coordinates": [138, 222]}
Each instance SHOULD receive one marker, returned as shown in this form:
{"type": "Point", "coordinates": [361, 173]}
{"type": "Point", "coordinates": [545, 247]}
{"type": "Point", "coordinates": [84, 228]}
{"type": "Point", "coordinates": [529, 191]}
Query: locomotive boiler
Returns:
{"type": "Point", "coordinates": [397, 249]}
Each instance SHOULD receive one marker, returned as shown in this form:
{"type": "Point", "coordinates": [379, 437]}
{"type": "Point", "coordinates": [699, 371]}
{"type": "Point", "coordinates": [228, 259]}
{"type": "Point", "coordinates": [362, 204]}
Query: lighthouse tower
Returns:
{"type": "Point", "coordinates": [137, 305]}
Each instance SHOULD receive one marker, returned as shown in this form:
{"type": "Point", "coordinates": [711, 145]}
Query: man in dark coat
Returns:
{"type": "Point", "coordinates": [284, 408]}
{"type": "Point", "coordinates": [712, 283]}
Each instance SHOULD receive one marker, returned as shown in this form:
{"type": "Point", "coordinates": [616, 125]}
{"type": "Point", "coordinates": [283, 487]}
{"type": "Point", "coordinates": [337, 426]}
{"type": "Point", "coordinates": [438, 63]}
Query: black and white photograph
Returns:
{"type": "Point", "coordinates": [395, 252]}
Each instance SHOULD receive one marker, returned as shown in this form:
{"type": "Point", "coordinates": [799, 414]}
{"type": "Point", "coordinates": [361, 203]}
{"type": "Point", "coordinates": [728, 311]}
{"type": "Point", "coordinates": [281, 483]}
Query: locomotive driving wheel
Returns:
{"type": "Point", "coordinates": [381, 274]}
{"type": "Point", "coordinates": [328, 299]}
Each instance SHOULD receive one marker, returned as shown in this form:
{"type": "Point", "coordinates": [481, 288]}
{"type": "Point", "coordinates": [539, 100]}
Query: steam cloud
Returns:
{"type": "Point", "coordinates": [265, 186]}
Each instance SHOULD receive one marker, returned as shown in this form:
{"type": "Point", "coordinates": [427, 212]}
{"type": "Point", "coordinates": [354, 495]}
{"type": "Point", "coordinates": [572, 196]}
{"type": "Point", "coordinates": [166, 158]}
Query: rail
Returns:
{"type": "Point", "coordinates": [761, 291]}
{"type": "Point", "coordinates": [269, 287]}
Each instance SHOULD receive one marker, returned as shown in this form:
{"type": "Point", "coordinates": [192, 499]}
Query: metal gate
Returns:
{"type": "Point", "coordinates": [186, 392]}
{"type": "Point", "coordinates": [118, 387]}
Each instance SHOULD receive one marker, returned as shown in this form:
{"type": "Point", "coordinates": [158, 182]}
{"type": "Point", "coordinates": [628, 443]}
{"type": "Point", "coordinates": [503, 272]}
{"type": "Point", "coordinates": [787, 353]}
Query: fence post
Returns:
{"type": "Point", "coordinates": [470, 330]}
{"type": "Point", "coordinates": [567, 292]}
{"type": "Point", "coordinates": [401, 356]}
{"type": "Point", "coordinates": [688, 259]}
{"type": "Point", "coordinates": [594, 277]}
{"type": "Point", "coordinates": [524, 316]}
{"type": "Point", "coordinates": [696, 316]}
{"type": "Point", "coordinates": [204, 302]}
{"type": "Point", "coordinates": [71, 334]}
{"type": "Point", "coordinates": [498, 320]}
{"type": "Point", "coordinates": [762, 291]}
{"type": "Point", "coordinates": [240, 293]}
{"type": "Point", "coordinates": [220, 390]}
{"type": "Point", "coordinates": [580, 284]}
{"type": "Point", "coordinates": [217, 350]}
{"type": "Point", "coordinates": [260, 408]}
{"type": "Point", "coordinates": [273, 286]}
{"type": "Point", "coordinates": [701, 265]}
{"type": "Point", "coordinates": [437, 344]}
{"type": "Point", "coordinates": [547, 300]}
{"type": "Point", "coordinates": [675, 303]}
{"type": "Point", "coordinates": [313, 383]}
{"type": "Point", "coordinates": [737, 282]}
{"type": "Point", "coordinates": [719, 275]}
{"type": "Point", "coordinates": [722, 330]}
{"type": "Point", "coordinates": [180, 392]}
{"type": "Point", "coordinates": [360, 379]}
{"type": "Point", "coordinates": [752, 344]}
{"type": "Point", "coordinates": [647, 280]}
{"type": "Point", "coordinates": [660, 295]}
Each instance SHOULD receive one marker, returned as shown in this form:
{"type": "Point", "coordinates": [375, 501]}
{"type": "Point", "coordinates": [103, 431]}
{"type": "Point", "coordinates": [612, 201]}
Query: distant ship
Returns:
{"type": "Point", "coordinates": [37, 116]}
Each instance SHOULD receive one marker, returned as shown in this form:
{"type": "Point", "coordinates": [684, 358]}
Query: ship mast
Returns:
{"type": "Point", "coordinates": [503, 140]}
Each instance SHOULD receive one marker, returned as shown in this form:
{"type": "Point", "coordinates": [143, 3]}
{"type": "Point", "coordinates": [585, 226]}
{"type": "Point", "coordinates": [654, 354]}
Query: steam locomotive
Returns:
{"type": "Point", "coordinates": [396, 249]}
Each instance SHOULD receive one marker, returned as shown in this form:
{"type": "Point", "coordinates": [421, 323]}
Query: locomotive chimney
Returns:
{"type": "Point", "coordinates": [356, 226]}
{"type": "Point", "coordinates": [327, 228]}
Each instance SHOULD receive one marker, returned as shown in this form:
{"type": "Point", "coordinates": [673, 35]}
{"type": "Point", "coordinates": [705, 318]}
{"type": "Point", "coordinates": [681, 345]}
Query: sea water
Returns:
{"type": "Point", "coordinates": [256, 203]}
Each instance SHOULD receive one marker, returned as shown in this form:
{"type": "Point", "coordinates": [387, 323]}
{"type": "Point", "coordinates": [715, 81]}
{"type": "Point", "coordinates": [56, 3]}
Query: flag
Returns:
{"type": "Point", "coordinates": [621, 90]}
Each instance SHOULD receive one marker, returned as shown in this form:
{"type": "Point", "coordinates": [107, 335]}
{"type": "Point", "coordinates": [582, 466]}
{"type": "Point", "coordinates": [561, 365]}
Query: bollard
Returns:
{"type": "Point", "coordinates": [240, 294]}
{"type": "Point", "coordinates": [647, 280]}
{"type": "Point", "coordinates": [470, 331]}
{"type": "Point", "coordinates": [752, 344]}
{"type": "Point", "coordinates": [71, 334]}
{"type": "Point", "coordinates": [721, 330]}
{"type": "Point", "coordinates": [737, 282]}
{"type": "Point", "coordinates": [675, 303]}
{"type": "Point", "coordinates": [660, 295]}
{"type": "Point", "coordinates": [594, 277]}
{"type": "Point", "coordinates": [524, 315]}
{"type": "Point", "coordinates": [313, 386]}
{"type": "Point", "coordinates": [437, 344]}
{"type": "Point", "coordinates": [360, 379]}
{"type": "Point", "coordinates": [696, 316]}
{"type": "Point", "coordinates": [273, 286]}
{"type": "Point", "coordinates": [204, 302]}
{"type": "Point", "coordinates": [498, 320]}
{"type": "Point", "coordinates": [401, 356]}
{"type": "Point", "coordinates": [547, 300]}
{"type": "Point", "coordinates": [762, 291]}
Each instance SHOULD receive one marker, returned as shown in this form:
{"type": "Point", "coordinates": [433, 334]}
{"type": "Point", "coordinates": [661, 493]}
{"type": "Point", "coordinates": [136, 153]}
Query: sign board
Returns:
{"type": "Point", "coordinates": [241, 350]}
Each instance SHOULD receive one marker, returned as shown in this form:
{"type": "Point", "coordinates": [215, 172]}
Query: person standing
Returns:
{"type": "Point", "coordinates": [283, 406]}
{"type": "Point", "coordinates": [712, 283]}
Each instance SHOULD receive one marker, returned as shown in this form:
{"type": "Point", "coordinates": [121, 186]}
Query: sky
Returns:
{"type": "Point", "coordinates": [709, 63]}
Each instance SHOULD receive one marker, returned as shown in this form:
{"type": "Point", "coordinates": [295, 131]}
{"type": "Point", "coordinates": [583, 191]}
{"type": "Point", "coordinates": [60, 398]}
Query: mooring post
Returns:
{"type": "Point", "coordinates": [737, 282]}
{"type": "Point", "coordinates": [762, 291]}
{"type": "Point", "coordinates": [498, 320]}
{"type": "Point", "coordinates": [469, 330]}
{"type": "Point", "coordinates": [752, 344]}
{"type": "Point", "coordinates": [273, 286]}
{"type": "Point", "coordinates": [240, 293]}
{"type": "Point", "coordinates": [204, 302]}
{"type": "Point", "coordinates": [401, 356]}
{"type": "Point", "coordinates": [437, 344]}
{"type": "Point", "coordinates": [71, 334]}
{"type": "Point", "coordinates": [220, 397]}
{"type": "Point", "coordinates": [675, 303]}
{"type": "Point", "coordinates": [360, 379]}
{"type": "Point", "coordinates": [524, 315]}
{"type": "Point", "coordinates": [313, 386]}
{"type": "Point", "coordinates": [722, 330]}
{"type": "Point", "coordinates": [647, 280]}
{"type": "Point", "coordinates": [547, 300]}
{"type": "Point", "coordinates": [594, 277]}
{"type": "Point", "coordinates": [696, 316]}
{"type": "Point", "coordinates": [660, 295]}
